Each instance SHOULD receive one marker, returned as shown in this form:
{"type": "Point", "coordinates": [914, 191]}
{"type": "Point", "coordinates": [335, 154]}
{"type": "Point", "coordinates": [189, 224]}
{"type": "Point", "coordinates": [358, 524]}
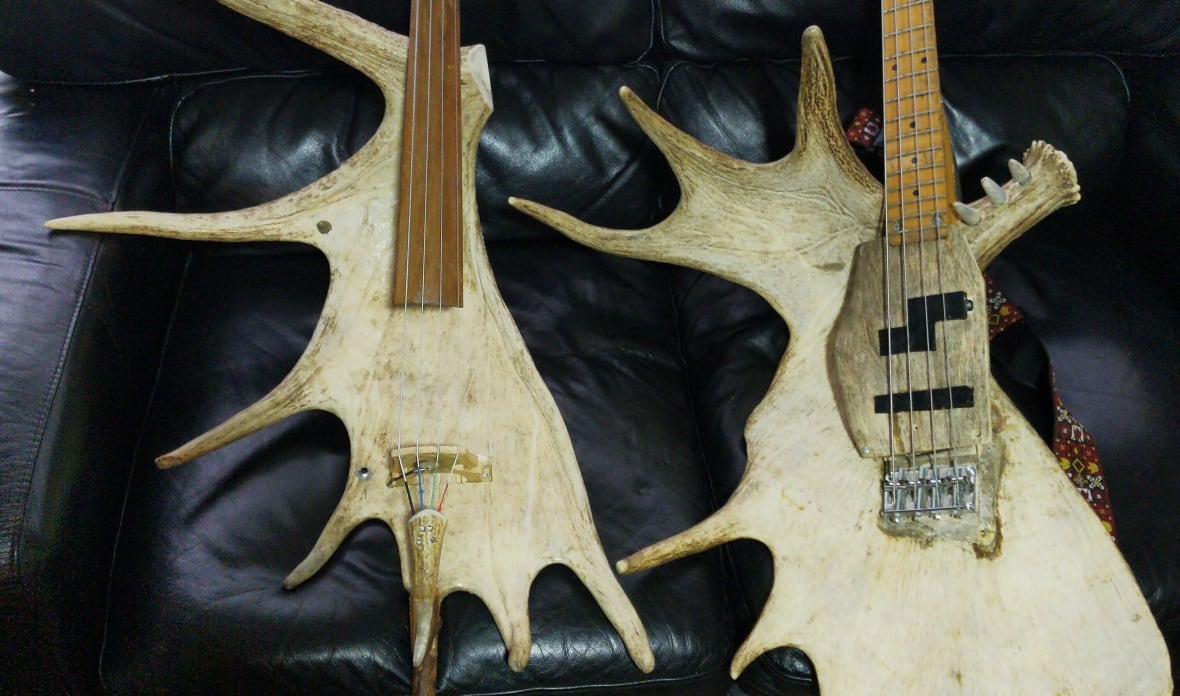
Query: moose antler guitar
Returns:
{"type": "Point", "coordinates": [883, 458]}
{"type": "Point", "coordinates": [415, 350]}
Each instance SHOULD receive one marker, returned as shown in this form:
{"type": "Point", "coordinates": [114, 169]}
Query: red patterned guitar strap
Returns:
{"type": "Point", "coordinates": [1072, 443]}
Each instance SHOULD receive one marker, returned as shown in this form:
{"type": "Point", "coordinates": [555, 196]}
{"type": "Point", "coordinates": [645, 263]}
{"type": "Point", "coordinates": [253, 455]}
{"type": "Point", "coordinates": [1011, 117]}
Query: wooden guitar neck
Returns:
{"type": "Point", "coordinates": [919, 163]}
{"type": "Point", "coordinates": [429, 269]}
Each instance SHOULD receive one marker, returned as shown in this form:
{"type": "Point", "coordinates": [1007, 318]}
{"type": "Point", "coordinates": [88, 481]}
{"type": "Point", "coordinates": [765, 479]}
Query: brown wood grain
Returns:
{"type": "Point", "coordinates": [430, 264]}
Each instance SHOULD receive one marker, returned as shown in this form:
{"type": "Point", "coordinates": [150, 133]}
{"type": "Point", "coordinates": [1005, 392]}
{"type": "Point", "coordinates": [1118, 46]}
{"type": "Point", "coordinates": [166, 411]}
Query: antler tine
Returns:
{"type": "Point", "coordinates": [509, 607]}
{"type": "Point", "coordinates": [251, 225]}
{"type": "Point", "coordinates": [595, 574]}
{"type": "Point", "coordinates": [818, 130]}
{"type": "Point", "coordinates": [287, 399]}
{"type": "Point", "coordinates": [716, 529]}
{"type": "Point", "coordinates": [670, 240]}
{"type": "Point", "coordinates": [817, 91]}
{"type": "Point", "coordinates": [364, 498]}
{"type": "Point", "coordinates": [763, 637]}
{"type": "Point", "coordinates": [689, 158]}
{"type": "Point", "coordinates": [344, 519]}
{"type": "Point", "coordinates": [633, 243]}
{"type": "Point", "coordinates": [377, 52]}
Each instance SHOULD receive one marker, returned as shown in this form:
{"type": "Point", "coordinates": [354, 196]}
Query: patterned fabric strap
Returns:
{"type": "Point", "coordinates": [1072, 443]}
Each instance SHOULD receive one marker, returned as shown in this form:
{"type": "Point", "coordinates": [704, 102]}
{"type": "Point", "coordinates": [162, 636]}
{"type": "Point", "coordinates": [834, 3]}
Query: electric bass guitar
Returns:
{"type": "Point", "coordinates": [924, 539]}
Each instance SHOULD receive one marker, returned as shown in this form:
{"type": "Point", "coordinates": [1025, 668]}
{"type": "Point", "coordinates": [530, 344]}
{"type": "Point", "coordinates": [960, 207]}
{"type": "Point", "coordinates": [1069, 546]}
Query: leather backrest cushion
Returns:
{"type": "Point", "coordinates": [89, 41]}
{"type": "Point", "coordinates": [120, 40]}
{"type": "Point", "coordinates": [768, 28]}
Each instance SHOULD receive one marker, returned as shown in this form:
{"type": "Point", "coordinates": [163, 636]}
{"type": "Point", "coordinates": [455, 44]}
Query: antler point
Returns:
{"type": "Point", "coordinates": [170, 460]}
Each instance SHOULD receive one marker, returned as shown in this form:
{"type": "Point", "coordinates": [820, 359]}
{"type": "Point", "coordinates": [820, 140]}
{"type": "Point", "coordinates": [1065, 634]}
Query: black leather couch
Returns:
{"type": "Point", "coordinates": [116, 577]}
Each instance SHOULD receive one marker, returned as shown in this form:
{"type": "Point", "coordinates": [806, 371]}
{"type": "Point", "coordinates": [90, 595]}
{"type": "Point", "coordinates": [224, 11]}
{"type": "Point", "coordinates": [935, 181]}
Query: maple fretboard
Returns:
{"type": "Point", "coordinates": [919, 165]}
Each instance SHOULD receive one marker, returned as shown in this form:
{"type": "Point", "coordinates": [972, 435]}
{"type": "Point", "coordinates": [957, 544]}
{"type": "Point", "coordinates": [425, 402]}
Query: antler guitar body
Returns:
{"type": "Point", "coordinates": [1019, 590]}
{"type": "Point", "coordinates": [441, 400]}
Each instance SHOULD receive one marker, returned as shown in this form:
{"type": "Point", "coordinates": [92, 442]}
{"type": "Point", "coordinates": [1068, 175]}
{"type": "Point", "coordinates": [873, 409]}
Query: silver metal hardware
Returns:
{"type": "Point", "coordinates": [928, 490]}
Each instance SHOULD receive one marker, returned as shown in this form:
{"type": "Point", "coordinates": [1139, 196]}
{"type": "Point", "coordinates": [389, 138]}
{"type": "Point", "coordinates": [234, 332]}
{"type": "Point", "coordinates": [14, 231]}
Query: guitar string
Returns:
{"type": "Point", "coordinates": [451, 53]}
{"type": "Point", "coordinates": [905, 270]}
{"type": "Point", "coordinates": [446, 31]}
{"type": "Point", "coordinates": [929, 75]}
{"type": "Point", "coordinates": [425, 220]}
{"type": "Point", "coordinates": [904, 251]}
{"type": "Point", "coordinates": [919, 223]}
{"type": "Point", "coordinates": [429, 203]}
{"type": "Point", "coordinates": [896, 55]}
{"type": "Point", "coordinates": [922, 54]}
{"type": "Point", "coordinates": [439, 192]}
{"type": "Point", "coordinates": [445, 20]}
{"type": "Point", "coordinates": [411, 103]}
{"type": "Point", "coordinates": [891, 462]}
{"type": "Point", "coordinates": [905, 213]}
{"type": "Point", "coordinates": [934, 88]}
{"type": "Point", "coordinates": [931, 90]}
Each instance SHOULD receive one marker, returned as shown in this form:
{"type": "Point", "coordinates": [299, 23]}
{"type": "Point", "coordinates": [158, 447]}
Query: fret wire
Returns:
{"type": "Point", "coordinates": [923, 150]}
{"type": "Point", "coordinates": [920, 167]}
{"type": "Point", "coordinates": [928, 127]}
{"type": "Point", "coordinates": [915, 139]}
{"type": "Point", "coordinates": [908, 35]}
{"type": "Point", "coordinates": [936, 179]}
{"type": "Point", "coordinates": [898, 9]}
{"type": "Point", "coordinates": [910, 28]}
{"type": "Point", "coordinates": [930, 70]}
{"type": "Point", "coordinates": [918, 220]}
{"type": "Point", "coordinates": [912, 115]}
{"type": "Point", "coordinates": [924, 73]}
{"type": "Point", "coordinates": [907, 201]}
{"type": "Point", "coordinates": [927, 73]}
{"type": "Point", "coordinates": [908, 188]}
{"type": "Point", "coordinates": [908, 5]}
{"type": "Point", "coordinates": [912, 52]}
